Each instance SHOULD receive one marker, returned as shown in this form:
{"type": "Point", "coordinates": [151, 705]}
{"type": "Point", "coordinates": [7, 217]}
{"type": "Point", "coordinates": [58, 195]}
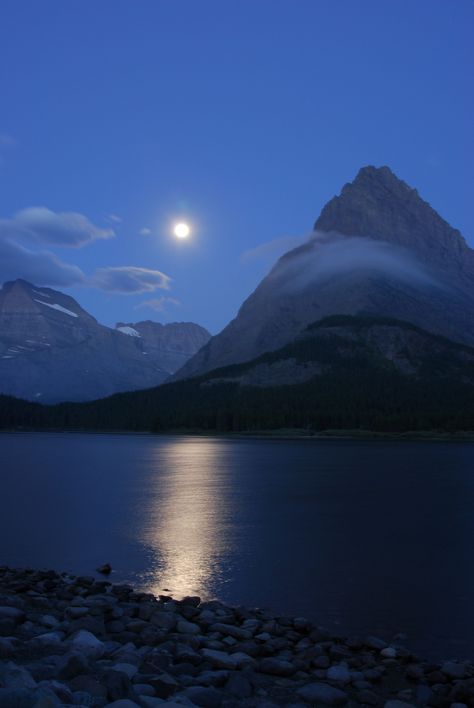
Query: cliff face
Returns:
{"type": "Point", "coordinates": [377, 249]}
{"type": "Point", "coordinates": [51, 349]}
{"type": "Point", "coordinates": [170, 344]}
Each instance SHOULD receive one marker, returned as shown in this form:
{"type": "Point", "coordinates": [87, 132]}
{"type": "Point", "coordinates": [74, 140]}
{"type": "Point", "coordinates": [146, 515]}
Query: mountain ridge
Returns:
{"type": "Point", "coordinates": [52, 349]}
{"type": "Point", "coordinates": [379, 249]}
{"type": "Point", "coordinates": [343, 373]}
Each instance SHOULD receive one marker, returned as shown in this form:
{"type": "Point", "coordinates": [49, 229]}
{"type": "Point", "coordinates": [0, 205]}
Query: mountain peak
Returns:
{"type": "Point", "coordinates": [380, 206]}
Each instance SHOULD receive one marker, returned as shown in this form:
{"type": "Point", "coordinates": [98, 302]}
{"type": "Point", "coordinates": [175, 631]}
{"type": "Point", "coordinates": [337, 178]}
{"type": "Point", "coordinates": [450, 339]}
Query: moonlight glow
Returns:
{"type": "Point", "coordinates": [181, 230]}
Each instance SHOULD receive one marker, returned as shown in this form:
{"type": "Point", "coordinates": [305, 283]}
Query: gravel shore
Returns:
{"type": "Point", "coordinates": [67, 640]}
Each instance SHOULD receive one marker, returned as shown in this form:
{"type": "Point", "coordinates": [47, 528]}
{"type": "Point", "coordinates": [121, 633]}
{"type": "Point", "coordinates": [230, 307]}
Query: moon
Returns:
{"type": "Point", "coordinates": [181, 230]}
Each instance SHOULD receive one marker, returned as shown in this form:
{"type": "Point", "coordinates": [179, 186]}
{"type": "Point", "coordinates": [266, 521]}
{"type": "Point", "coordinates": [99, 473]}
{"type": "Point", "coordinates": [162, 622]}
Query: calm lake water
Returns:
{"type": "Point", "coordinates": [364, 537]}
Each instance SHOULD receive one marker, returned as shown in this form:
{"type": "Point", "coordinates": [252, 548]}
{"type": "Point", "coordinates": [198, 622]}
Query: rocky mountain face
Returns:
{"type": "Point", "coordinates": [170, 344]}
{"type": "Point", "coordinates": [326, 345]}
{"type": "Point", "coordinates": [376, 249]}
{"type": "Point", "coordinates": [53, 350]}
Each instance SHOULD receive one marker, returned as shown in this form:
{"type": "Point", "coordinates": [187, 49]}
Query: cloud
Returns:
{"type": "Point", "coordinates": [328, 255]}
{"type": "Point", "coordinates": [145, 231]}
{"type": "Point", "coordinates": [129, 279]}
{"type": "Point", "coordinates": [158, 303]}
{"type": "Point", "coordinates": [114, 217]}
{"type": "Point", "coordinates": [271, 250]}
{"type": "Point", "coordinates": [41, 268]}
{"type": "Point", "coordinates": [55, 228]}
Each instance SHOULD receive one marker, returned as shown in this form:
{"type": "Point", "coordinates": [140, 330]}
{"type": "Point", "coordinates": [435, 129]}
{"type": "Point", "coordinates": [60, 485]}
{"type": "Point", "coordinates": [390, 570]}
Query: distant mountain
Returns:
{"type": "Point", "coordinates": [170, 344]}
{"type": "Point", "coordinates": [377, 249]}
{"type": "Point", "coordinates": [341, 373]}
{"type": "Point", "coordinates": [51, 349]}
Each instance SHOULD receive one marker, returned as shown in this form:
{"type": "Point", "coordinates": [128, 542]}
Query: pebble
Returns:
{"type": "Point", "coordinates": [322, 693]}
{"type": "Point", "coordinates": [78, 641]}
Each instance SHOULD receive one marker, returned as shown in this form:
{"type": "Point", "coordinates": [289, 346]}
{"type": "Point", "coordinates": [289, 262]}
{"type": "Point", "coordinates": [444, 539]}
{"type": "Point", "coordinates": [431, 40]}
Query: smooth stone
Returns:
{"type": "Point", "coordinates": [72, 665]}
{"type": "Point", "coordinates": [122, 703]}
{"type": "Point", "coordinates": [398, 704]}
{"type": "Point", "coordinates": [453, 669]}
{"type": "Point", "coordinates": [152, 701]}
{"type": "Point", "coordinates": [16, 698]}
{"type": "Point", "coordinates": [49, 621]}
{"type": "Point", "coordinates": [14, 676]}
{"type": "Point", "coordinates": [49, 638]}
{"type": "Point", "coordinates": [88, 644]}
{"type": "Point", "coordinates": [12, 613]}
{"type": "Point", "coordinates": [339, 673]}
{"type": "Point", "coordinates": [185, 627]}
{"type": "Point", "coordinates": [276, 667]}
{"type": "Point", "coordinates": [239, 685]}
{"type": "Point", "coordinates": [227, 661]}
{"type": "Point", "coordinates": [144, 689]}
{"type": "Point", "coordinates": [322, 693]}
{"type": "Point", "coordinates": [129, 669]}
{"type": "Point", "coordinates": [204, 697]}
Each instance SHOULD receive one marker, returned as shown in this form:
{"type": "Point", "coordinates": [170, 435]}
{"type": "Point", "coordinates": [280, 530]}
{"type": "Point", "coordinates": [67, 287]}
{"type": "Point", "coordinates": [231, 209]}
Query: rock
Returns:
{"type": "Point", "coordinates": [398, 704]}
{"type": "Point", "coordinates": [123, 703]}
{"type": "Point", "coordinates": [368, 697]}
{"type": "Point", "coordinates": [12, 613]}
{"type": "Point", "coordinates": [49, 638]}
{"type": "Point", "coordinates": [144, 689]}
{"type": "Point", "coordinates": [231, 630]}
{"type": "Point", "coordinates": [117, 684]}
{"type": "Point", "coordinates": [105, 569]}
{"type": "Point", "coordinates": [338, 673]}
{"type": "Point", "coordinates": [389, 653]}
{"type": "Point", "coordinates": [129, 669]}
{"type": "Point", "coordinates": [88, 684]}
{"type": "Point", "coordinates": [239, 685]}
{"type": "Point", "coordinates": [164, 620]}
{"type": "Point", "coordinates": [16, 698]}
{"type": "Point", "coordinates": [164, 684]}
{"type": "Point", "coordinates": [49, 621]}
{"type": "Point", "coordinates": [322, 693]}
{"type": "Point", "coordinates": [276, 667]}
{"type": "Point", "coordinates": [73, 665]}
{"type": "Point", "coordinates": [185, 627]}
{"type": "Point", "coordinates": [88, 644]}
{"type": "Point", "coordinates": [7, 647]}
{"type": "Point", "coordinates": [205, 697]}
{"type": "Point", "coordinates": [14, 676]}
{"type": "Point", "coordinates": [227, 661]}
{"type": "Point", "coordinates": [453, 670]}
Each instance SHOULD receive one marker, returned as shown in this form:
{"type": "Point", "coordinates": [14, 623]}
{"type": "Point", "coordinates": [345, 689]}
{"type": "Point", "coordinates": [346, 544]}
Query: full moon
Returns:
{"type": "Point", "coordinates": [181, 230]}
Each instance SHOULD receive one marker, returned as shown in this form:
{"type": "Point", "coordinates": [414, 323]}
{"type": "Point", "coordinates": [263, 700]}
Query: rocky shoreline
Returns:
{"type": "Point", "coordinates": [67, 640]}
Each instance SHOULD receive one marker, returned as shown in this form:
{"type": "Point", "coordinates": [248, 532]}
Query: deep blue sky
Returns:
{"type": "Point", "coordinates": [242, 116]}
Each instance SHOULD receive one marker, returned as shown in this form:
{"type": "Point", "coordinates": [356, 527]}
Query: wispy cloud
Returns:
{"type": "Point", "coordinates": [67, 228]}
{"type": "Point", "coordinates": [130, 279]}
{"type": "Point", "coordinates": [158, 304]}
{"type": "Point", "coordinates": [145, 231]}
{"type": "Point", "coordinates": [269, 251]}
{"type": "Point", "coordinates": [115, 218]}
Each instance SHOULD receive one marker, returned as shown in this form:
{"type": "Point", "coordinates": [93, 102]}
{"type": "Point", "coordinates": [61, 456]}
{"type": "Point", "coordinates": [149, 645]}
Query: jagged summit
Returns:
{"type": "Point", "coordinates": [377, 249]}
{"type": "Point", "coordinates": [379, 205]}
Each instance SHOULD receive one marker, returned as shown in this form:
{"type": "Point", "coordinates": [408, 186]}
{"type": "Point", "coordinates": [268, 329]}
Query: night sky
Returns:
{"type": "Point", "coordinates": [242, 118]}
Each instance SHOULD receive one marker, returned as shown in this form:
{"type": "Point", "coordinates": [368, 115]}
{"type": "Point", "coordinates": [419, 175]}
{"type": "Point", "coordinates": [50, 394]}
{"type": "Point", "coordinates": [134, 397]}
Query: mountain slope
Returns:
{"type": "Point", "coordinates": [52, 350]}
{"type": "Point", "coordinates": [341, 373]}
{"type": "Point", "coordinates": [170, 344]}
{"type": "Point", "coordinates": [377, 249]}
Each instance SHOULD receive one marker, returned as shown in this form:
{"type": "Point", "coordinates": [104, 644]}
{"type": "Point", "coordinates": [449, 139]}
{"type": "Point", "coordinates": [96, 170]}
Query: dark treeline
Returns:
{"type": "Point", "coordinates": [359, 389]}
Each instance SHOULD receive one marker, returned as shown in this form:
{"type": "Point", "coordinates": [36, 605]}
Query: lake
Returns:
{"type": "Point", "coordinates": [363, 537]}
